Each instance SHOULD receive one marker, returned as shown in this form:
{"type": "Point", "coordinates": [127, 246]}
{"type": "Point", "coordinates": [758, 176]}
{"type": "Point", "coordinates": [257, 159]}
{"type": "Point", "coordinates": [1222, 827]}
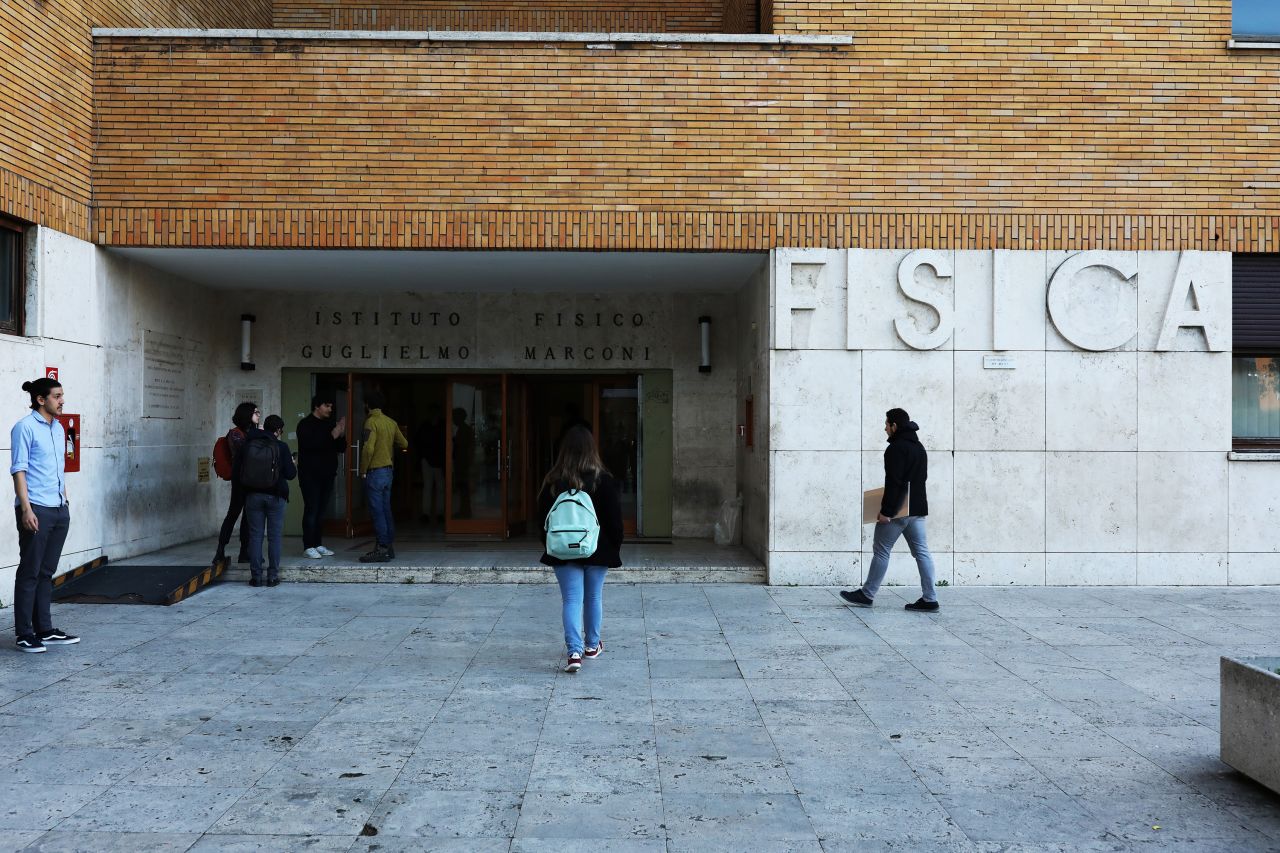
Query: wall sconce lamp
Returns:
{"type": "Point", "coordinates": [704, 325]}
{"type": "Point", "coordinates": [246, 341]}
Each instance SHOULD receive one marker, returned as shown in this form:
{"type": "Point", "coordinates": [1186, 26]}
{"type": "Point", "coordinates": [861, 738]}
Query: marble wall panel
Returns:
{"type": "Point", "coordinates": [815, 501]}
{"type": "Point", "coordinates": [1000, 569]}
{"type": "Point", "coordinates": [1184, 401]}
{"type": "Point", "coordinates": [816, 400]}
{"type": "Point", "coordinates": [1092, 300]}
{"type": "Point", "coordinates": [1096, 569]}
{"type": "Point", "coordinates": [1203, 281]}
{"type": "Point", "coordinates": [1254, 502]}
{"type": "Point", "coordinates": [808, 568]}
{"type": "Point", "coordinates": [1000, 409]}
{"type": "Point", "coordinates": [1091, 502]}
{"type": "Point", "coordinates": [999, 502]}
{"type": "Point", "coordinates": [920, 382]}
{"type": "Point", "coordinates": [809, 298]}
{"type": "Point", "coordinates": [876, 302]}
{"type": "Point", "coordinates": [1245, 569]}
{"type": "Point", "coordinates": [1091, 400]}
{"type": "Point", "coordinates": [69, 308]}
{"type": "Point", "coordinates": [1182, 502]}
{"type": "Point", "coordinates": [1182, 569]}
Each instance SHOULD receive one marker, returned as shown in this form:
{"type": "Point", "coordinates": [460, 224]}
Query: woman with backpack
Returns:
{"type": "Point", "coordinates": [264, 466]}
{"type": "Point", "coordinates": [582, 508]}
{"type": "Point", "coordinates": [225, 452]}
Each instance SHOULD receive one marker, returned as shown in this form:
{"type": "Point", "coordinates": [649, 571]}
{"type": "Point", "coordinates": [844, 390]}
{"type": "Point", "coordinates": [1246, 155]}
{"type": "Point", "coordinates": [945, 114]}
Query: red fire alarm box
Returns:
{"type": "Point", "coordinates": [71, 425]}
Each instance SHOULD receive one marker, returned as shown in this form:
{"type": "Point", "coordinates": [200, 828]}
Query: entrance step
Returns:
{"type": "Point", "coordinates": [399, 572]}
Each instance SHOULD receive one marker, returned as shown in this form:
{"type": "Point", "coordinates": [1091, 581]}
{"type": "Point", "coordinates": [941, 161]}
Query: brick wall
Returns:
{"type": "Point", "coordinates": [1145, 132]}
{"type": "Point", "coordinates": [703, 16]}
{"type": "Point", "coordinates": [46, 90]}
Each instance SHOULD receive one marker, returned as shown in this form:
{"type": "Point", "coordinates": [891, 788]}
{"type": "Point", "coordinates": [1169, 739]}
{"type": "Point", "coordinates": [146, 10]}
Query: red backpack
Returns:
{"type": "Point", "coordinates": [223, 456]}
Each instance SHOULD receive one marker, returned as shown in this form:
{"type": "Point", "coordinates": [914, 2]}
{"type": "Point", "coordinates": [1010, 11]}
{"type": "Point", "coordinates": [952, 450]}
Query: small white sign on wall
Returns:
{"type": "Point", "coordinates": [1000, 362]}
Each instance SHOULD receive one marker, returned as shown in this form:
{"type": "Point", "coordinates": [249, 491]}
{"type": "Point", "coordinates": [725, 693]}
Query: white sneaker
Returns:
{"type": "Point", "coordinates": [324, 552]}
{"type": "Point", "coordinates": [313, 553]}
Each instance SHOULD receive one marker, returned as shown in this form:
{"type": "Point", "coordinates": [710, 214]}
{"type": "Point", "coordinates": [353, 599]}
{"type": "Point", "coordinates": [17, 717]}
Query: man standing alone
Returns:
{"type": "Point", "coordinates": [319, 443]}
{"type": "Point", "coordinates": [382, 438]}
{"type": "Point", "coordinates": [39, 463]}
{"type": "Point", "coordinates": [906, 467]}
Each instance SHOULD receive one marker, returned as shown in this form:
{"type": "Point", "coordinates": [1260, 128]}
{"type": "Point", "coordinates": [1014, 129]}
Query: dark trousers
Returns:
{"type": "Point", "coordinates": [264, 516]}
{"type": "Point", "coordinates": [316, 491]}
{"type": "Point", "coordinates": [234, 510]}
{"type": "Point", "coordinates": [39, 553]}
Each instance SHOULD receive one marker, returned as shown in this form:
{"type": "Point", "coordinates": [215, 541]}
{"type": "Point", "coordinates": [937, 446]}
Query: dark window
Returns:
{"type": "Point", "coordinates": [1255, 366]}
{"type": "Point", "coordinates": [13, 293]}
{"type": "Point", "coordinates": [1255, 18]}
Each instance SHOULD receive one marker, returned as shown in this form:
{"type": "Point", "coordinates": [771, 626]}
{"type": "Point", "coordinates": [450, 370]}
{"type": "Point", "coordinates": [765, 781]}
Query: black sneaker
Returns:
{"type": "Point", "coordinates": [273, 581]}
{"type": "Point", "coordinates": [255, 582]}
{"type": "Point", "coordinates": [922, 605]}
{"type": "Point", "coordinates": [377, 555]}
{"type": "Point", "coordinates": [30, 644]}
{"type": "Point", "coordinates": [857, 598]}
{"type": "Point", "coordinates": [58, 638]}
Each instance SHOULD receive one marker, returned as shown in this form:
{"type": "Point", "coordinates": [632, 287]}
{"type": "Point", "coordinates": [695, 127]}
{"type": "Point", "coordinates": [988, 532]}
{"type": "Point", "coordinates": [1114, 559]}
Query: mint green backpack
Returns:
{"type": "Point", "coordinates": [571, 526]}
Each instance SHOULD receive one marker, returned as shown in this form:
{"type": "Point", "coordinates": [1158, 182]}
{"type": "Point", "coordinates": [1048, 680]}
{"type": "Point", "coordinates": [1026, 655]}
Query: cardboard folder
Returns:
{"type": "Point", "coordinates": [871, 501]}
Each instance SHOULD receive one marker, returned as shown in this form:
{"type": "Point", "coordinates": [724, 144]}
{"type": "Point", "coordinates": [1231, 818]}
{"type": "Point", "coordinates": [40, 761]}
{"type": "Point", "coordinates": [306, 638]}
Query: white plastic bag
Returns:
{"type": "Point", "coordinates": [728, 530]}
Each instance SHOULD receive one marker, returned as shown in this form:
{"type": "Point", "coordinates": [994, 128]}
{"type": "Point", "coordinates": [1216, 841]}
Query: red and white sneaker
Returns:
{"type": "Point", "coordinates": [594, 653]}
{"type": "Point", "coordinates": [574, 664]}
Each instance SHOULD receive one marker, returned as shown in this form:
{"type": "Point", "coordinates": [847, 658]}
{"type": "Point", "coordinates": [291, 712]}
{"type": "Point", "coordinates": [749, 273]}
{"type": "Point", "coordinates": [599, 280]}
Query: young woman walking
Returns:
{"type": "Point", "coordinates": [582, 581]}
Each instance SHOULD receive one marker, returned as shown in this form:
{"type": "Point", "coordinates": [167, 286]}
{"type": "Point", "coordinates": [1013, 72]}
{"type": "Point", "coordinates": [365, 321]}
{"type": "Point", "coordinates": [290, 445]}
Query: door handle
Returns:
{"type": "Point", "coordinates": [499, 459]}
{"type": "Point", "coordinates": [355, 454]}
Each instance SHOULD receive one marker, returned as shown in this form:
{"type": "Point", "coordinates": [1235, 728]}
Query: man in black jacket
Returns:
{"type": "Point", "coordinates": [906, 467]}
{"type": "Point", "coordinates": [264, 504]}
{"type": "Point", "coordinates": [320, 440]}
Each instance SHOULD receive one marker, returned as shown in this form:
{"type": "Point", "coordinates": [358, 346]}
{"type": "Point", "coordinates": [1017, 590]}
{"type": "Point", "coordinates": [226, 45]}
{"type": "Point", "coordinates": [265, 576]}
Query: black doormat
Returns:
{"type": "Point", "coordinates": [122, 584]}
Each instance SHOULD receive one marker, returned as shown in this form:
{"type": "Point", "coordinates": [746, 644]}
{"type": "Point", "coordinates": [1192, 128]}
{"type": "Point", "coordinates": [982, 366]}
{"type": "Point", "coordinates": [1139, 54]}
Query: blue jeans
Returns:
{"type": "Point", "coordinates": [377, 491]}
{"type": "Point", "coordinates": [264, 513]}
{"type": "Point", "coordinates": [912, 527]}
{"type": "Point", "coordinates": [582, 597]}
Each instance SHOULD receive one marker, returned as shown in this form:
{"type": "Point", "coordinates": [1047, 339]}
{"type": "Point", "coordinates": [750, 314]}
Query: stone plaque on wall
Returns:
{"type": "Point", "coordinates": [164, 385]}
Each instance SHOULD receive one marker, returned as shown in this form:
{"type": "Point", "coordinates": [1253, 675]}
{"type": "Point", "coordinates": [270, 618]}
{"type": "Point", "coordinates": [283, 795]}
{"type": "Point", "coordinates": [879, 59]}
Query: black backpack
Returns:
{"type": "Point", "coordinates": [259, 463]}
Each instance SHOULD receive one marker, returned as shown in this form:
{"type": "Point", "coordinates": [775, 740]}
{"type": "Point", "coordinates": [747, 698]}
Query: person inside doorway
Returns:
{"type": "Point", "coordinates": [381, 439]}
{"type": "Point", "coordinates": [38, 463]}
{"type": "Point", "coordinates": [430, 441]}
{"type": "Point", "coordinates": [320, 440]}
{"type": "Point", "coordinates": [464, 451]}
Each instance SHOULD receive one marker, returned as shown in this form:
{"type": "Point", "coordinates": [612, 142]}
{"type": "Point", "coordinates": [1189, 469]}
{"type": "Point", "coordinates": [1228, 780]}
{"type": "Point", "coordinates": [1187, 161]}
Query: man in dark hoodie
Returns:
{"type": "Point", "coordinates": [264, 468]}
{"type": "Point", "coordinates": [906, 467]}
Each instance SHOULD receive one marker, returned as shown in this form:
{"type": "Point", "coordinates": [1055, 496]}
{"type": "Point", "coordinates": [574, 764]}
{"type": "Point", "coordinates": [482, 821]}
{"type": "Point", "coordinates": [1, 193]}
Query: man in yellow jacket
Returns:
{"type": "Point", "coordinates": [382, 438]}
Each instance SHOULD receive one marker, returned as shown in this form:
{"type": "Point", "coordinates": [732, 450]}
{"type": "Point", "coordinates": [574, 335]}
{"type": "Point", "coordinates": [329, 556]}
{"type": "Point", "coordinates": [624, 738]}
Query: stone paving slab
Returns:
{"type": "Point", "coordinates": [720, 718]}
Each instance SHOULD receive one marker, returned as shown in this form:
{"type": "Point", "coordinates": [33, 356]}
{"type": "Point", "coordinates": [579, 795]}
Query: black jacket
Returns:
{"type": "Point", "coordinates": [317, 448]}
{"type": "Point", "coordinates": [905, 462]}
{"type": "Point", "coordinates": [286, 472]}
{"type": "Point", "coordinates": [606, 498]}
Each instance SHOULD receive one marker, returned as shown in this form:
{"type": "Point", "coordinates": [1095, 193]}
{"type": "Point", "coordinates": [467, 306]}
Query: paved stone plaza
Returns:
{"type": "Point", "coordinates": [721, 718]}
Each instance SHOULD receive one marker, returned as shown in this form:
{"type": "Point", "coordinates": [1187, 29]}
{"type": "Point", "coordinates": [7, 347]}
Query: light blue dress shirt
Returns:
{"type": "Point", "coordinates": [40, 449]}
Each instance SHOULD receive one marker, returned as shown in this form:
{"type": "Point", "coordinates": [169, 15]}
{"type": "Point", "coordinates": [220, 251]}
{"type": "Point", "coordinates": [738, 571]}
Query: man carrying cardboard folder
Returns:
{"type": "Point", "coordinates": [902, 512]}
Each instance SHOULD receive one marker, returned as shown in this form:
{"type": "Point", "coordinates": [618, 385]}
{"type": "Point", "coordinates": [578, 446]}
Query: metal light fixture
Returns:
{"type": "Point", "coordinates": [246, 341]}
{"type": "Point", "coordinates": [704, 324]}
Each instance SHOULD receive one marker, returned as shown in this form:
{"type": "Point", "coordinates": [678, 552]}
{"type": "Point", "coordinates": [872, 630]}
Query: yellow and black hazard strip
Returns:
{"type": "Point", "coordinates": [79, 571]}
{"type": "Point", "coordinates": [197, 583]}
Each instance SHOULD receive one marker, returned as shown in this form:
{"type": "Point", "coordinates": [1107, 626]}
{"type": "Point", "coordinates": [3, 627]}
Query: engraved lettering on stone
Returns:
{"type": "Point", "coordinates": [1095, 312]}
{"type": "Point", "coordinates": [908, 330]}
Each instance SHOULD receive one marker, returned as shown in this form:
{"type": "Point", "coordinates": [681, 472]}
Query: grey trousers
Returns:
{"type": "Point", "coordinates": [38, 558]}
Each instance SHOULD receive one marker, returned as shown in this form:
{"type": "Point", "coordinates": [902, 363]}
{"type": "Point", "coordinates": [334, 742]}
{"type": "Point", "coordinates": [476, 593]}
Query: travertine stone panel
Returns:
{"type": "Point", "coordinates": [1255, 506]}
{"type": "Point", "coordinates": [999, 502]}
{"type": "Point", "coordinates": [1181, 569]}
{"type": "Point", "coordinates": [875, 301]}
{"type": "Point", "coordinates": [1182, 502]}
{"type": "Point", "coordinates": [1092, 400]}
{"type": "Point", "coordinates": [816, 400]}
{"type": "Point", "coordinates": [1184, 401]}
{"type": "Point", "coordinates": [1000, 409]}
{"type": "Point", "coordinates": [1020, 283]}
{"type": "Point", "coordinates": [938, 487]}
{"type": "Point", "coordinates": [1092, 502]}
{"type": "Point", "coordinates": [974, 303]}
{"type": "Point", "coordinates": [1093, 300]}
{"type": "Point", "coordinates": [1246, 569]}
{"type": "Point", "coordinates": [920, 382]}
{"type": "Point", "coordinates": [1096, 569]}
{"type": "Point", "coordinates": [825, 568]}
{"type": "Point", "coordinates": [68, 309]}
{"type": "Point", "coordinates": [816, 501]}
{"type": "Point", "coordinates": [994, 569]}
{"type": "Point", "coordinates": [809, 299]}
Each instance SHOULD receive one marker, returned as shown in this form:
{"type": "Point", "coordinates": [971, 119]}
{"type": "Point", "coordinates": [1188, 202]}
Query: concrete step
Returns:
{"type": "Point", "coordinates": [501, 572]}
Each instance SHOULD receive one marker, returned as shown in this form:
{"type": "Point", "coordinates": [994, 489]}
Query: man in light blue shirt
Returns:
{"type": "Point", "coordinates": [39, 462]}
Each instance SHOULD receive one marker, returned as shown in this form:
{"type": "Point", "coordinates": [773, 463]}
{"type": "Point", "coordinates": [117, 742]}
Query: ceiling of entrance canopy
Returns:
{"type": "Point", "coordinates": [453, 272]}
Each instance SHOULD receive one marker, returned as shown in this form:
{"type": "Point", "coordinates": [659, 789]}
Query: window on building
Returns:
{"type": "Point", "coordinates": [1255, 18]}
{"type": "Point", "coordinates": [1255, 365]}
{"type": "Point", "coordinates": [13, 294]}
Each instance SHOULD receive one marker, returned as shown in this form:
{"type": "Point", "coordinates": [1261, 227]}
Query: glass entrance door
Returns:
{"type": "Point", "coordinates": [475, 470]}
